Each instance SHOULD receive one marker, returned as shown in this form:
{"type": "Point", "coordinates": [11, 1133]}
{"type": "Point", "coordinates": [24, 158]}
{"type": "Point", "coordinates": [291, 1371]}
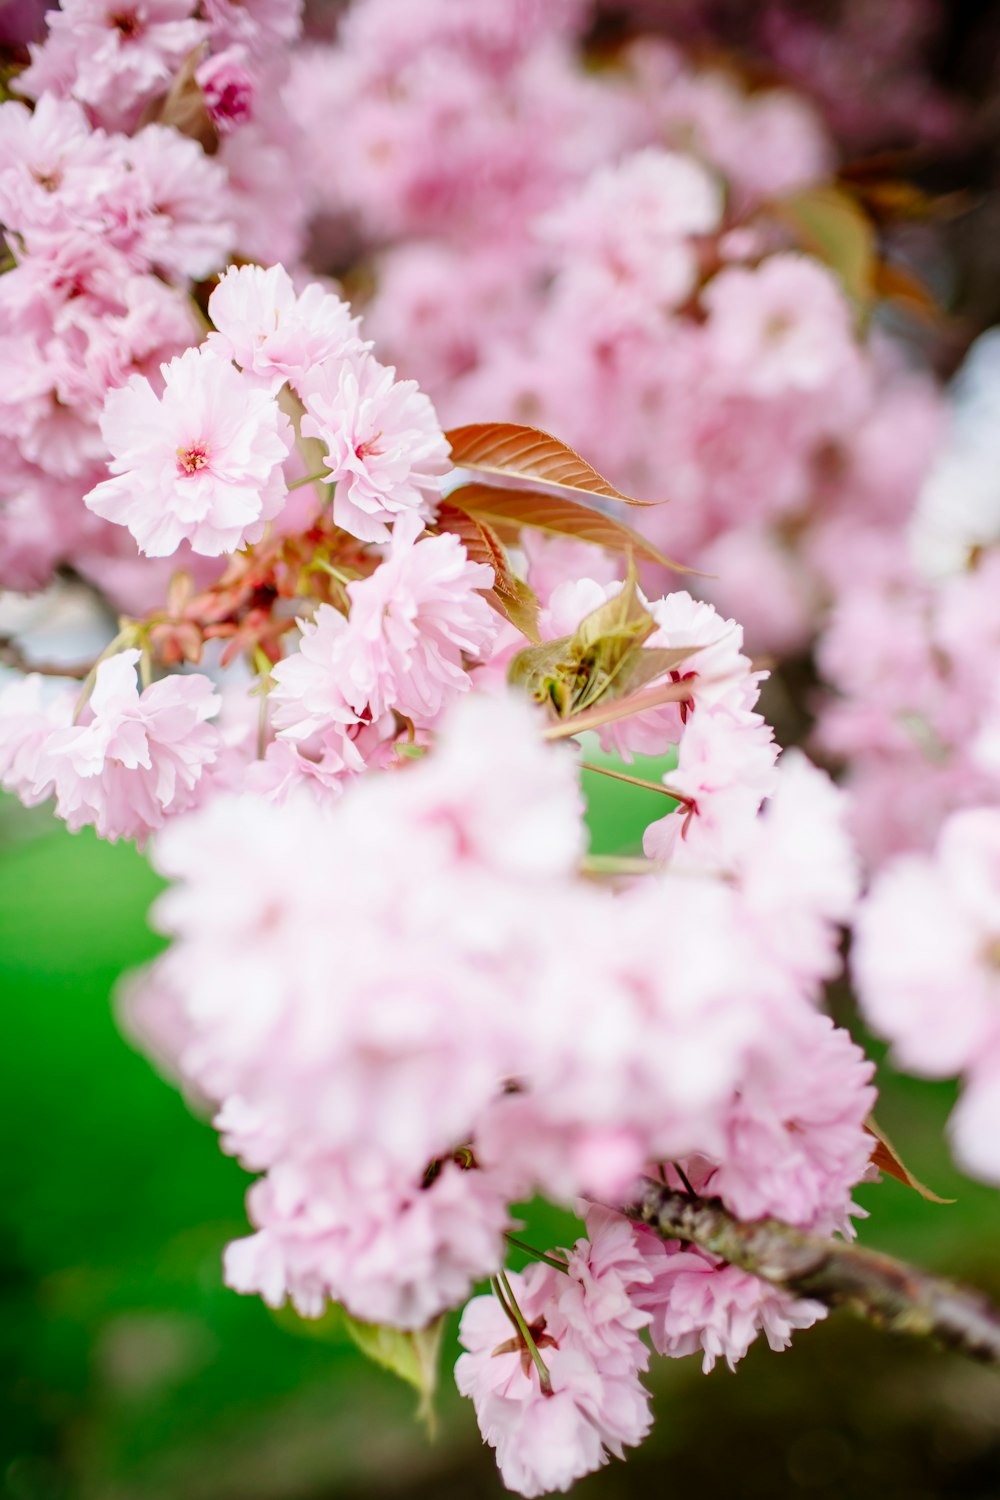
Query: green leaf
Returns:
{"type": "Point", "coordinates": [605, 658]}
{"type": "Point", "coordinates": [831, 225]}
{"type": "Point", "coordinates": [648, 664]}
{"type": "Point", "coordinates": [414, 1357]}
{"type": "Point", "coordinates": [547, 671]}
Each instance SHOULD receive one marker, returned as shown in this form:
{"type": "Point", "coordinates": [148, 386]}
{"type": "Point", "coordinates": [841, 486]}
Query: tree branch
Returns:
{"type": "Point", "coordinates": [884, 1291]}
{"type": "Point", "coordinates": [12, 655]}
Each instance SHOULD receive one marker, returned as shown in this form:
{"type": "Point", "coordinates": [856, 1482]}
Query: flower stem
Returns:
{"type": "Point", "coordinates": [297, 484]}
{"type": "Point", "coordinates": [549, 1260]}
{"type": "Point", "coordinates": [647, 786]}
{"type": "Point", "coordinates": [510, 1307]}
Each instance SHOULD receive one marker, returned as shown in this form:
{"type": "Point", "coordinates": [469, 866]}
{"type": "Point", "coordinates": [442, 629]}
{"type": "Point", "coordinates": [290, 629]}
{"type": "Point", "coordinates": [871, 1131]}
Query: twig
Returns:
{"type": "Point", "coordinates": [12, 655]}
{"type": "Point", "coordinates": [647, 786]}
{"type": "Point", "coordinates": [876, 1287]}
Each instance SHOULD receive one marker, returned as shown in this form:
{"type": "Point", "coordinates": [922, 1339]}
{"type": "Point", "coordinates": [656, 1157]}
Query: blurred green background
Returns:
{"type": "Point", "coordinates": [131, 1373]}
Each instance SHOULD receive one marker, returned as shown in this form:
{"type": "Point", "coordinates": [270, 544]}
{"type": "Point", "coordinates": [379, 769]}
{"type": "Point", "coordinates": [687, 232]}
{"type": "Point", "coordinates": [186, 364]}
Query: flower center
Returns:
{"type": "Point", "coordinates": [190, 460]}
{"type": "Point", "coordinates": [369, 448]}
{"type": "Point", "coordinates": [126, 23]}
{"type": "Point", "coordinates": [48, 180]}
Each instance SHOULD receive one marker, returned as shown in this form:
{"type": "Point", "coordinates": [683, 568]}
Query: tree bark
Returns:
{"type": "Point", "coordinates": [876, 1287]}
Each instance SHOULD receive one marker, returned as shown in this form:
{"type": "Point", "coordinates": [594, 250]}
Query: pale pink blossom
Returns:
{"type": "Point", "coordinates": [133, 759]}
{"type": "Point", "coordinates": [264, 27]}
{"type": "Point", "coordinates": [795, 1138]}
{"type": "Point", "coordinates": [585, 1326]}
{"type": "Point", "coordinates": [202, 462]}
{"type": "Point", "coordinates": [974, 1126]}
{"type": "Point", "coordinates": [385, 452]}
{"type": "Point", "coordinates": [415, 623]}
{"type": "Point", "coordinates": [725, 768]}
{"type": "Point", "coordinates": [798, 874]}
{"type": "Point", "coordinates": [275, 334]}
{"type": "Point", "coordinates": [927, 948]}
{"type": "Point", "coordinates": [783, 326]}
{"type": "Point", "coordinates": [113, 58]}
{"type": "Point", "coordinates": [184, 222]}
{"type": "Point", "coordinates": [227, 86]}
{"type": "Point", "coordinates": [696, 1302]}
{"type": "Point", "coordinates": [390, 1249]}
{"type": "Point", "coordinates": [632, 224]}
{"type": "Point", "coordinates": [30, 711]}
{"type": "Point", "coordinates": [51, 163]}
{"type": "Point", "coordinates": [310, 684]}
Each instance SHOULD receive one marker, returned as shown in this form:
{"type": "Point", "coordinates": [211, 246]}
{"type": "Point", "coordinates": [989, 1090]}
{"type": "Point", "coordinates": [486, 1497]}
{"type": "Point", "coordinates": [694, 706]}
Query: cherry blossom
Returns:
{"type": "Point", "coordinates": [202, 462]}
{"type": "Point", "coordinates": [384, 449]}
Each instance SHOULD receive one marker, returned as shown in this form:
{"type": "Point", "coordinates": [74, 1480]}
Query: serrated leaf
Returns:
{"type": "Point", "coordinates": [481, 543]}
{"type": "Point", "coordinates": [830, 224]}
{"type": "Point", "coordinates": [414, 1357]}
{"type": "Point", "coordinates": [515, 454]}
{"type": "Point", "coordinates": [507, 511]}
{"type": "Point", "coordinates": [604, 658]}
{"type": "Point", "coordinates": [520, 607]}
{"type": "Point", "coordinates": [621, 620]}
{"type": "Point", "coordinates": [888, 1160]}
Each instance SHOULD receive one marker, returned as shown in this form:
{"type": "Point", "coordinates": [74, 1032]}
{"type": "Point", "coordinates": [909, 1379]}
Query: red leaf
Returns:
{"type": "Point", "coordinates": [516, 454]}
{"type": "Point", "coordinates": [520, 607]}
{"type": "Point", "coordinates": [887, 1159]}
{"type": "Point", "coordinates": [480, 542]}
{"type": "Point", "coordinates": [557, 515]}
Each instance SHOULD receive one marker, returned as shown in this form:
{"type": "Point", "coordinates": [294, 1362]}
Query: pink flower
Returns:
{"type": "Point", "coordinates": [927, 948]}
{"type": "Point", "coordinates": [202, 462]}
{"type": "Point", "coordinates": [783, 326]}
{"type": "Point", "coordinates": [184, 222]}
{"type": "Point", "coordinates": [111, 57]}
{"type": "Point", "coordinates": [975, 1124]}
{"type": "Point", "coordinates": [725, 768]}
{"type": "Point", "coordinates": [274, 334]}
{"type": "Point", "coordinates": [134, 759]}
{"type": "Point", "coordinates": [390, 1249]}
{"type": "Point", "coordinates": [696, 1302]}
{"type": "Point", "coordinates": [51, 162]}
{"type": "Point", "coordinates": [29, 714]}
{"type": "Point", "coordinates": [228, 88]}
{"type": "Point", "coordinates": [798, 875]}
{"type": "Point", "coordinates": [385, 451]}
{"type": "Point", "coordinates": [584, 1323]}
{"type": "Point", "coordinates": [795, 1138]}
{"type": "Point", "coordinates": [262, 26]}
{"type": "Point", "coordinates": [632, 222]}
{"type": "Point", "coordinates": [310, 684]}
{"type": "Point", "coordinates": [414, 623]}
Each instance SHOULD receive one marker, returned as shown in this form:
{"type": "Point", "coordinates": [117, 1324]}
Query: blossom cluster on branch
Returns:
{"type": "Point", "coordinates": [362, 657]}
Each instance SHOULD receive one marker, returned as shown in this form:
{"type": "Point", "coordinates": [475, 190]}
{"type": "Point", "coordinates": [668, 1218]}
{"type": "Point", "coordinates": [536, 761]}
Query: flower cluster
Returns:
{"type": "Point", "coordinates": [614, 255]}
{"type": "Point", "coordinates": [365, 658]}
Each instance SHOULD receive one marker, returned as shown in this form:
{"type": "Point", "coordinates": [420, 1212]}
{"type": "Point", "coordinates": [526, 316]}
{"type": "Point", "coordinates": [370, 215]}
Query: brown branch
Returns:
{"type": "Point", "coordinates": [884, 1291]}
{"type": "Point", "coordinates": [11, 655]}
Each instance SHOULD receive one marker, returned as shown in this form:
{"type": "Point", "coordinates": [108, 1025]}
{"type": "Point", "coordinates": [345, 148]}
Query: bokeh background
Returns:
{"type": "Point", "coordinates": [131, 1373]}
